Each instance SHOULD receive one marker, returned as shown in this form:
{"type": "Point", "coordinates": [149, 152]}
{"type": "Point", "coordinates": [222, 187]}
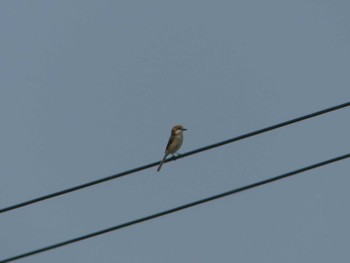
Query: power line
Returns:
{"type": "Point", "coordinates": [176, 209]}
{"type": "Point", "coordinates": [115, 176]}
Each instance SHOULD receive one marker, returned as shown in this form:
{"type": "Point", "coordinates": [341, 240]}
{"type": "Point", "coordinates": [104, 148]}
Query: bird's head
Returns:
{"type": "Point", "coordinates": [177, 129]}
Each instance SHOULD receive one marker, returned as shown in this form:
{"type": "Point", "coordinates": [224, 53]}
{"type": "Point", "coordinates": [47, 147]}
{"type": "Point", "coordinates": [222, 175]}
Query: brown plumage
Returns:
{"type": "Point", "coordinates": [174, 143]}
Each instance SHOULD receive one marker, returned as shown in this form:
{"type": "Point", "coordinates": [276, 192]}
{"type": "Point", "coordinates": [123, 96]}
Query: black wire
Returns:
{"type": "Point", "coordinates": [241, 137]}
{"type": "Point", "coordinates": [176, 209]}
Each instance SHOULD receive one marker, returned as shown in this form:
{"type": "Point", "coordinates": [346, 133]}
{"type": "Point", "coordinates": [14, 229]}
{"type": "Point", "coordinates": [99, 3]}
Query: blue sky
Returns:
{"type": "Point", "coordinates": [92, 88]}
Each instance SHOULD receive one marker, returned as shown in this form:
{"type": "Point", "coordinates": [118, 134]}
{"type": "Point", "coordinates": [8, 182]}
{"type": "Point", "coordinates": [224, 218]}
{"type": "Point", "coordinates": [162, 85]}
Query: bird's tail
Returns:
{"type": "Point", "coordinates": [161, 163]}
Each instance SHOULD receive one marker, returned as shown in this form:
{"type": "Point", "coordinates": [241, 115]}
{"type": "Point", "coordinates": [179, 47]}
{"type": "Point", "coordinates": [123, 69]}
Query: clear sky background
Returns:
{"type": "Point", "coordinates": [92, 88]}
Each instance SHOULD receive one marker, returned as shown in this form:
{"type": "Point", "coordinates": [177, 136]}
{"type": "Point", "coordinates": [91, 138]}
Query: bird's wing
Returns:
{"type": "Point", "coordinates": [171, 139]}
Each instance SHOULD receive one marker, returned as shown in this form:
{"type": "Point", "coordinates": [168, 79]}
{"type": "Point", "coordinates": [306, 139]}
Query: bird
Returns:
{"type": "Point", "coordinates": [174, 143]}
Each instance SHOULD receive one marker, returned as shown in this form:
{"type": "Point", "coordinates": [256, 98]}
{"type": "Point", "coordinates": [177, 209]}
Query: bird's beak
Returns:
{"type": "Point", "coordinates": [184, 129]}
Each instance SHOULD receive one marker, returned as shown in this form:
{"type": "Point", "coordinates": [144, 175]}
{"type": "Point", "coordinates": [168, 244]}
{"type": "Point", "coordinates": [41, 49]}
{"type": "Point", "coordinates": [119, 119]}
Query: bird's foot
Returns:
{"type": "Point", "coordinates": [175, 155]}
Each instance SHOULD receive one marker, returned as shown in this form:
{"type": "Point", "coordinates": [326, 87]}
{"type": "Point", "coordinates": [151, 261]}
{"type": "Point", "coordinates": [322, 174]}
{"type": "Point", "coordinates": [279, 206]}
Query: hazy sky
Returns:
{"type": "Point", "coordinates": [92, 88]}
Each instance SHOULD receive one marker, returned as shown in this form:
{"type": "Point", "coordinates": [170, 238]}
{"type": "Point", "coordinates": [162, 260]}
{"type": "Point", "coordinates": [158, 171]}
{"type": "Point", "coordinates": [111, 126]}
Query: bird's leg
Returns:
{"type": "Point", "coordinates": [175, 155]}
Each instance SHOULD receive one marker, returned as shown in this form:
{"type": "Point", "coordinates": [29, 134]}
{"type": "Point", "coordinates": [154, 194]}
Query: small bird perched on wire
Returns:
{"type": "Point", "coordinates": [174, 143]}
